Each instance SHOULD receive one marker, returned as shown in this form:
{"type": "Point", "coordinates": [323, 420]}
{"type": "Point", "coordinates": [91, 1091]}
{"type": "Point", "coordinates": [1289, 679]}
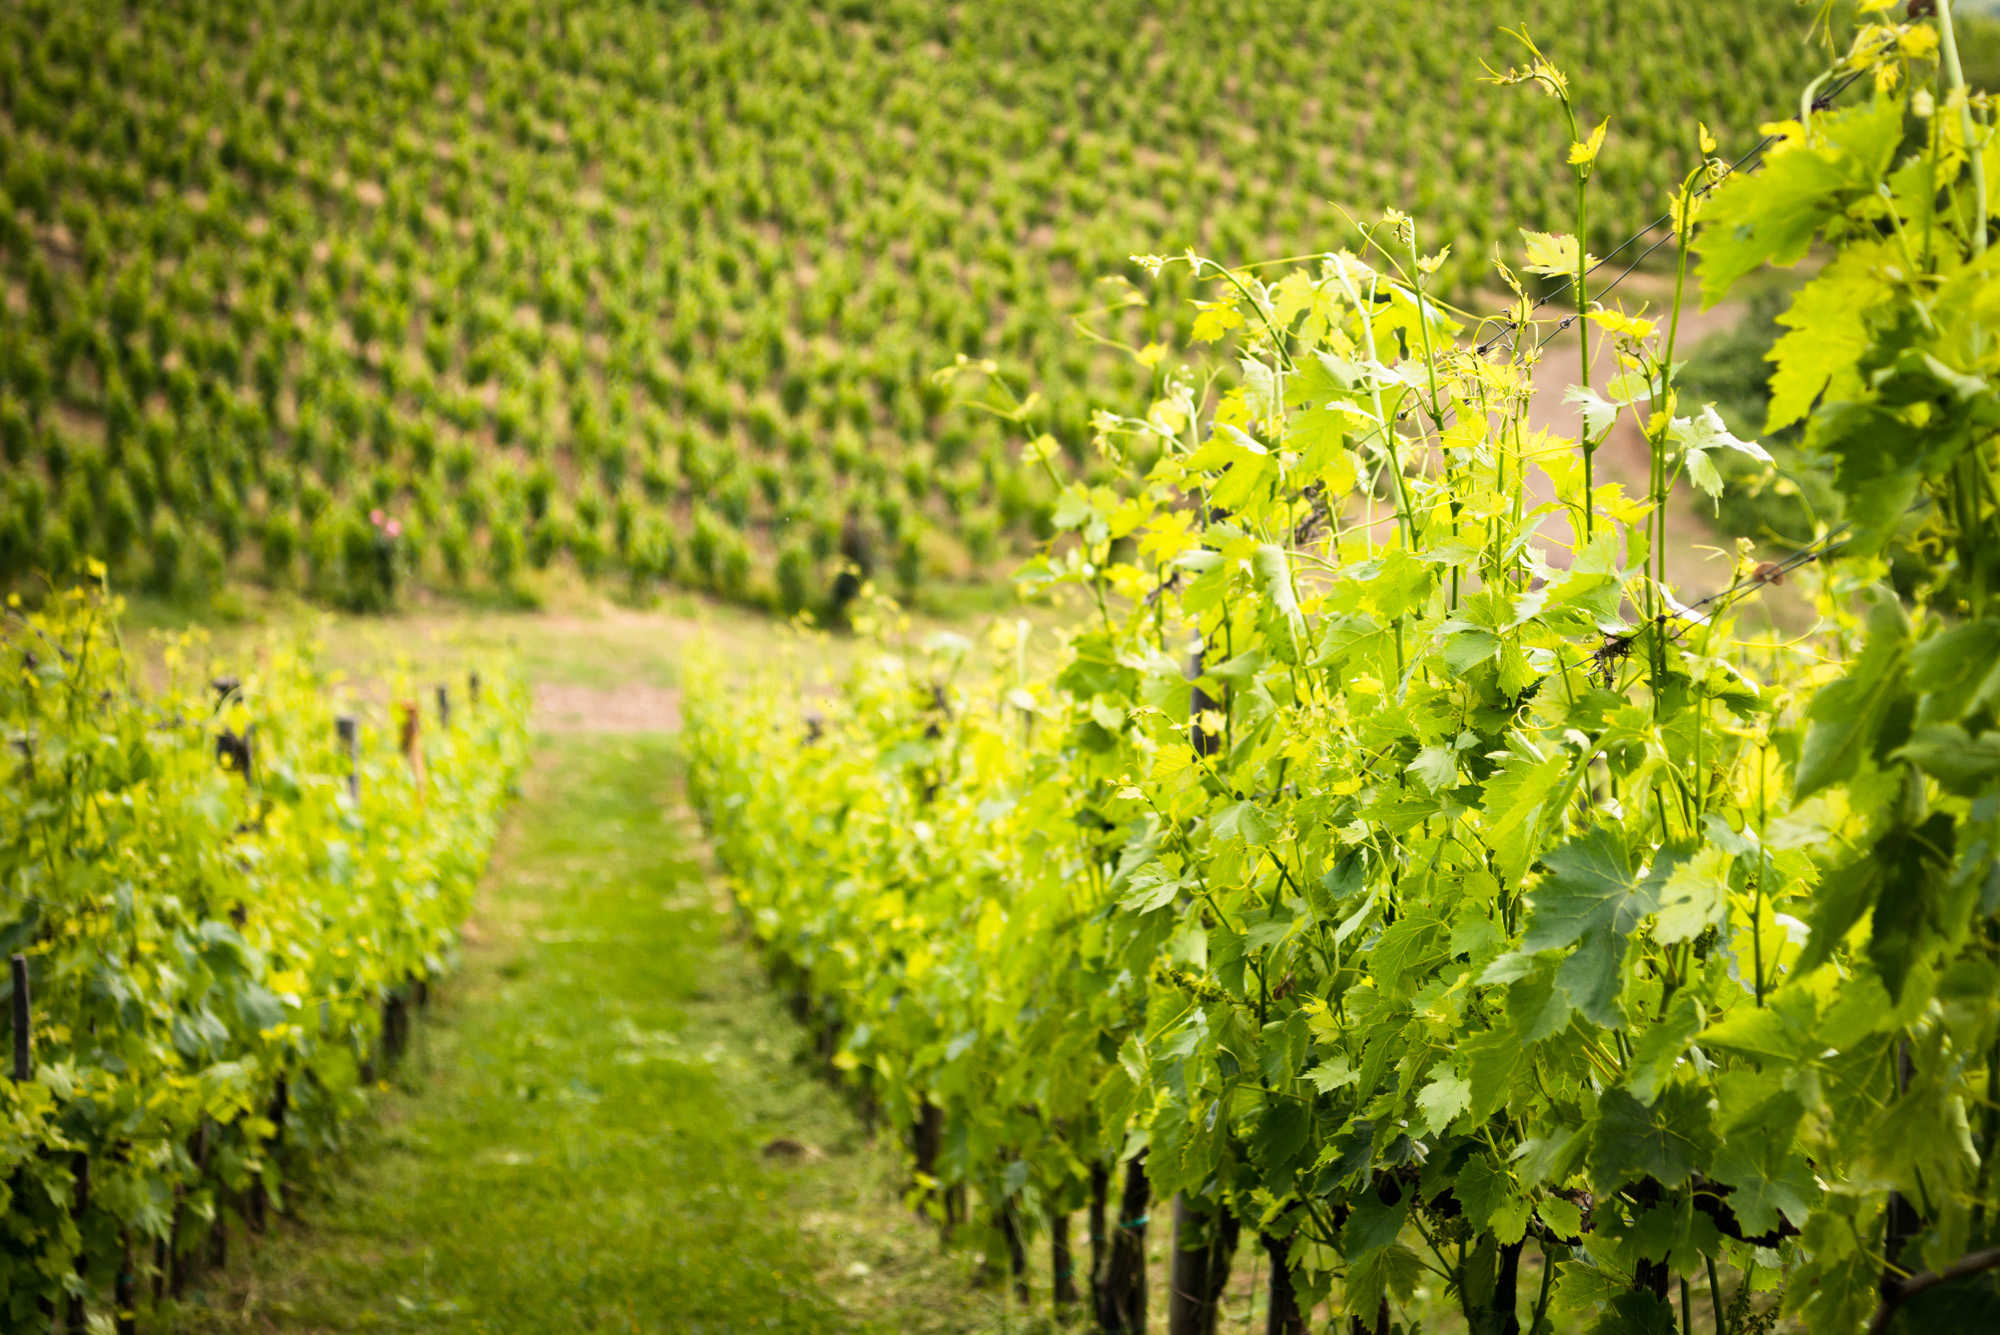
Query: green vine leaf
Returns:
{"type": "Point", "coordinates": [1630, 1140]}
{"type": "Point", "coordinates": [1588, 886]}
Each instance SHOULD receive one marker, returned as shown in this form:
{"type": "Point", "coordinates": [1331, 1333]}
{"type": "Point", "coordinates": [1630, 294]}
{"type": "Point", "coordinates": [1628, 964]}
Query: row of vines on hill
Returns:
{"type": "Point", "coordinates": [657, 291]}
{"type": "Point", "coordinates": [1395, 868]}
{"type": "Point", "coordinates": [221, 901]}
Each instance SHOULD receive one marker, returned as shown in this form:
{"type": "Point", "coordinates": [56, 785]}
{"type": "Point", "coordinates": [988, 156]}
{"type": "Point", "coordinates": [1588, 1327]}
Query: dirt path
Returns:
{"type": "Point", "coordinates": [631, 708]}
{"type": "Point", "coordinates": [1692, 543]}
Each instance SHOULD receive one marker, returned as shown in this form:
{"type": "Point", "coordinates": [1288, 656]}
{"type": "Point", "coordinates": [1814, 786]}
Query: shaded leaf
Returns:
{"type": "Point", "coordinates": [1629, 1140]}
{"type": "Point", "coordinates": [1658, 1049]}
{"type": "Point", "coordinates": [1846, 714]}
{"type": "Point", "coordinates": [1589, 886]}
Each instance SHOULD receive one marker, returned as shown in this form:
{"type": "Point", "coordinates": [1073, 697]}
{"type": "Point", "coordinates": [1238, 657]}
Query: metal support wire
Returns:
{"type": "Point", "coordinates": [1820, 103]}
{"type": "Point", "coordinates": [1513, 328]}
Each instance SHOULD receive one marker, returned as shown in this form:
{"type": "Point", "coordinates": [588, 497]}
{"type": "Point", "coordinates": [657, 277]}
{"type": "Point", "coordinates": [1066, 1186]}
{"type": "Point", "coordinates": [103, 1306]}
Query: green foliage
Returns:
{"type": "Point", "coordinates": [1458, 895]}
{"type": "Point", "coordinates": [569, 1067]}
{"type": "Point", "coordinates": [285, 237]}
{"type": "Point", "coordinates": [209, 945]}
{"type": "Point", "coordinates": [1783, 503]}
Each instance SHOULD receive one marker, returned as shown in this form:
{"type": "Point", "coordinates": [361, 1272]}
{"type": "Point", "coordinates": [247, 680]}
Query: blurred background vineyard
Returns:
{"type": "Point", "coordinates": [352, 299]}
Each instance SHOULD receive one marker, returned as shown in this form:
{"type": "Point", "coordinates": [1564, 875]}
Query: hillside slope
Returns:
{"type": "Point", "coordinates": [341, 295]}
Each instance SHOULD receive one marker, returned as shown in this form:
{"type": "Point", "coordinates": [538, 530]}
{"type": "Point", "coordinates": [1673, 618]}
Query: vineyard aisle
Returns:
{"type": "Point", "coordinates": [607, 1121]}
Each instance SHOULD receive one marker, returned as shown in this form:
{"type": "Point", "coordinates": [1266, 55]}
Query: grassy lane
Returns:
{"type": "Point", "coordinates": [606, 1123]}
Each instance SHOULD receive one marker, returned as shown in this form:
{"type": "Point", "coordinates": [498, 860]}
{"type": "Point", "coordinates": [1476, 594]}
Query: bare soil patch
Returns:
{"type": "Point", "coordinates": [631, 707]}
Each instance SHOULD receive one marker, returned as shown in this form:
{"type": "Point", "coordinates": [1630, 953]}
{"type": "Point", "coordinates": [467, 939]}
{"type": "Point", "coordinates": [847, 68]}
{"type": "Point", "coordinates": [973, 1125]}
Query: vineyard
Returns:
{"type": "Point", "coordinates": [350, 298]}
{"type": "Point", "coordinates": [1486, 820]}
{"type": "Point", "coordinates": [225, 900]}
{"type": "Point", "coordinates": [1394, 879]}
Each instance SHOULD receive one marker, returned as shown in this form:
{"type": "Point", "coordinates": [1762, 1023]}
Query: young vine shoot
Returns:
{"type": "Point", "coordinates": [1390, 867]}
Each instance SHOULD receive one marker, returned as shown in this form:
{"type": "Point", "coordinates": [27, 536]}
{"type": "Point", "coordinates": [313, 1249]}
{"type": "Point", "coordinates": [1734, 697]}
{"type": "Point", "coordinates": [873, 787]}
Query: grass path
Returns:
{"type": "Point", "coordinates": [606, 1121]}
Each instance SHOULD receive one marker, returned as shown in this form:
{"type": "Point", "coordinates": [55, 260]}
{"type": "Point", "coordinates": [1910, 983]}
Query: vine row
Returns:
{"type": "Point", "coordinates": [223, 902]}
{"type": "Point", "coordinates": [1388, 865]}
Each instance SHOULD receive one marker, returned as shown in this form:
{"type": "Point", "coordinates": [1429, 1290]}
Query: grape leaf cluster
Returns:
{"type": "Point", "coordinates": [1393, 859]}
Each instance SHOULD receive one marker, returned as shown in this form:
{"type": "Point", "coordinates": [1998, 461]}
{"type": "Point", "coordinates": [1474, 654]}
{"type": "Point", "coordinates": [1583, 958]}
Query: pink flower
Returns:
{"type": "Point", "coordinates": [375, 518]}
{"type": "Point", "coordinates": [395, 529]}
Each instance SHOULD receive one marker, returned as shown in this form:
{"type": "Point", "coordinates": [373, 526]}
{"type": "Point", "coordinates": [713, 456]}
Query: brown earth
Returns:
{"type": "Point", "coordinates": [633, 707]}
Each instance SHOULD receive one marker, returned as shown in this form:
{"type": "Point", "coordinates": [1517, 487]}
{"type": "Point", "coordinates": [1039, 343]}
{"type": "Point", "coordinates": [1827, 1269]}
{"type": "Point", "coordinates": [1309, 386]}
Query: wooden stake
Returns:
{"type": "Point", "coordinates": [24, 1068]}
{"type": "Point", "coordinates": [1124, 1292]}
{"type": "Point", "coordinates": [1204, 1247]}
{"type": "Point", "coordinates": [1017, 1253]}
{"type": "Point", "coordinates": [1100, 1188]}
{"type": "Point", "coordinates": [348, 729]}
{"type": "Point", "coordinates": [1062, 1262]}
{"type": "Point", "coordinates": [125, 1293]}
{"type": "Point", "coordinates": [75, 1317]}
{"type": "Point", "coordinates": [1283, 1316]}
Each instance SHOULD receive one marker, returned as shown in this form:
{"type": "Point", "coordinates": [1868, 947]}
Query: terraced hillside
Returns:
{"type": "Point", "coordinates": [345, 295]}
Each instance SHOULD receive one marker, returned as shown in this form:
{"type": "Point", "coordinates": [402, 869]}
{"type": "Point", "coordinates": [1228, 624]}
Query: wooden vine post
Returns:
{"type": "Point", "coordinates": [1017, 1251]}
{"type": "Point", "coordinates": [23, 1045]}
{"type": "Point", "coordinates": [1283, 1315]}
{"type": "Point", "coordinates": [260, 1197]}
{"type": "Point", "coordinates": [411, 741]}
{"type": "Point", "coordinates": [1100, 1190]}
{"type": "Point", "coordinates": [926, 1142]}
{"type": "Point", "coordinates": [348, 729]}
{"type": "Point", "coordinates": [1062, 1262]}
{"type": "Point", "coordinates": [1122, 1300]}
{"type": "Point", "coordinates": [1205, 1238]}
{"type": "Point", "coordinates": [75, 1317]}
{"type": "Point", "coordinates": [21, 1016]}
{"type": "Point", "coordinates": [125, 1292]}
{"type": "Point", "coordinates": [396, 1006]}
{"type": "Point", "coordinates": [1205, 743]}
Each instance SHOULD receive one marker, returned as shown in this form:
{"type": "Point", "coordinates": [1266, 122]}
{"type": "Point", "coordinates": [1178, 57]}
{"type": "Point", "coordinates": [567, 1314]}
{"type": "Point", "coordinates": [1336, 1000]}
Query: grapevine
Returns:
{"type": "Point", "coordinates": [344, 298]}
{"type": "Point", "coordinates": [221, 907]}
{"type": "Point", "coordinates": [1398, 867]}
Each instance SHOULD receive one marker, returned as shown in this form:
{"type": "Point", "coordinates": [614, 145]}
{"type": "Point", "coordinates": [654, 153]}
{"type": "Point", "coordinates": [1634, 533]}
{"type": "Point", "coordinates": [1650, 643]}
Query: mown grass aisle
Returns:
{"type": "Point", "coordinates": [604, 1122]}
